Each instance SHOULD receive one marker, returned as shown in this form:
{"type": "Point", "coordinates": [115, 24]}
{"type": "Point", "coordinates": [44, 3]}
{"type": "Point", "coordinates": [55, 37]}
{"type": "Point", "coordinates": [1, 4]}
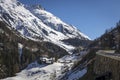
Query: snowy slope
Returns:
{"type": "Point", "coordinates": [55, 23]}
{"type": "Point", "coordinates": [24, 21]}
{"type": "Point", "coordinates": [37, 24]}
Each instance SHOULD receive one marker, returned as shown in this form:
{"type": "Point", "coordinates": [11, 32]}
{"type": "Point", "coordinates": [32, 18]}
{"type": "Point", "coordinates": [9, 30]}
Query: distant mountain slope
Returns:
{"type": "Point", "coordinates": [109, 40]}
{"type": "Point", "coordinates": [38, 24]}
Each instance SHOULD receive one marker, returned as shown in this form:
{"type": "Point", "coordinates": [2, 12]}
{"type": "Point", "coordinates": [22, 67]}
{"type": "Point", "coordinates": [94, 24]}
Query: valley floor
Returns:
{"type": "Point", "coordinates": [54, 71]}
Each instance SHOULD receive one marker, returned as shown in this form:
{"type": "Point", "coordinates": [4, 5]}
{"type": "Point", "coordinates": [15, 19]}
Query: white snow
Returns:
{"type": "Point", "coordinates": [55, 23]}
{"type": "Point", "coordinates": [20, 47]}
{"type": "Point", "coordinates": [38, 73]}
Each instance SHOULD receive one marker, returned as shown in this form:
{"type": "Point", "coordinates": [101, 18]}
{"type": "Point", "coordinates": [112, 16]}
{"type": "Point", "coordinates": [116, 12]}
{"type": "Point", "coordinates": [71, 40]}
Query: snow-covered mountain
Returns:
{"type": "Point", "coordinates": [37, 24]}
{"type": "Point", "coordinates": [55, 23]}
{"type": "Point", "coordinates": [29, 33]}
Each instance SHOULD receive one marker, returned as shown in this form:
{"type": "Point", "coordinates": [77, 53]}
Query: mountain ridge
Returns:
{"type": "Point", "coordinates": [38, 24]}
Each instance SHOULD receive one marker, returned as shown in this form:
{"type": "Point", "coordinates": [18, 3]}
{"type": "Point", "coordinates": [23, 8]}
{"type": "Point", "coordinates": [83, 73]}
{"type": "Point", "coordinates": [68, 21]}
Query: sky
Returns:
{"type": "Point", "coordinates": [92, 17]}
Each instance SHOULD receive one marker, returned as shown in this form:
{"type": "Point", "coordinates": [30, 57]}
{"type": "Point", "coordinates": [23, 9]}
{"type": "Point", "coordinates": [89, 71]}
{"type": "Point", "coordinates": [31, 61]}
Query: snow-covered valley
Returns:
{"type": "Point", "coordinates": [55, 71]}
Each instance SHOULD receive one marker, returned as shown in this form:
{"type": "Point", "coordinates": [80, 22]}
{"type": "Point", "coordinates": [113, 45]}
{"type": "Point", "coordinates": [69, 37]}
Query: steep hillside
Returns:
{"type": "Point", "coordinates": [16, 52]}
{"type": "Point", "coordinates": [55, 23]}
{"type": "Point", "coordinates": [37, 24]}
{"type": "Point", "coordinates": [110, 40]}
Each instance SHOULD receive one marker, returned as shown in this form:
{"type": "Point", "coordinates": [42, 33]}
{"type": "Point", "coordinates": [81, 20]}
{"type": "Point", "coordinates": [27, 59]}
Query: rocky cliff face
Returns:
{"type": "Point", "coordinates": [108, 66]}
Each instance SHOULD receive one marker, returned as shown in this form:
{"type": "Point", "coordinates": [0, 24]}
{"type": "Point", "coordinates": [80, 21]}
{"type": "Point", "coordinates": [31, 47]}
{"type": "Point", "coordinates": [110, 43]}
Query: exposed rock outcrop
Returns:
{"type": "Point", "coordinates": [107, 65]}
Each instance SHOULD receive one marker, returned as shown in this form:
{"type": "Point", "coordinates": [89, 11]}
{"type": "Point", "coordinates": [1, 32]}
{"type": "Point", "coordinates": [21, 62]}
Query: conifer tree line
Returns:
{"type": "Point", "coordinates": [110, 40]}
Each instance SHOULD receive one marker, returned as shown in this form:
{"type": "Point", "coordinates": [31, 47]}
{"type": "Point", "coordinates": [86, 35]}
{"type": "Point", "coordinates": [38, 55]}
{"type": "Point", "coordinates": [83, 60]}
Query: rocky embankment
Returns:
{"type": "Point", "coordinates": [107, 65]}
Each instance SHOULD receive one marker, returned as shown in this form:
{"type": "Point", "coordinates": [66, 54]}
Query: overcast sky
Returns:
{"type": "Point", "coordinates": [91, 17]}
